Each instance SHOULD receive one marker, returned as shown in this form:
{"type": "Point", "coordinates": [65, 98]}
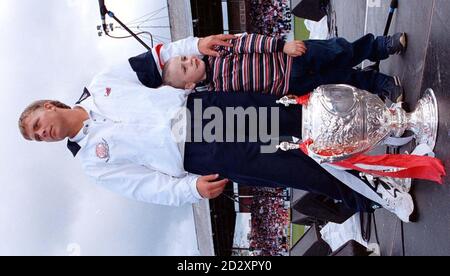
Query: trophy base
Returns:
{"type": "Point", "coordinates": [424, 121]}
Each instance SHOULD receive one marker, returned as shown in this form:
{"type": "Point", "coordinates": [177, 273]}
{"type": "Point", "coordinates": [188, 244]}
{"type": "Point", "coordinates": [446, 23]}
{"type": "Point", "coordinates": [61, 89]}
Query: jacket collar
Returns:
{"type": "Point", "coordinates": [73, 147]}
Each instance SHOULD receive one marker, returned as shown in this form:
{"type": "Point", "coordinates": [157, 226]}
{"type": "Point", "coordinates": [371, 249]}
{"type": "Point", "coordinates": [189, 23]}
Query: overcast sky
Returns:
{"type": "Point", "coordinates": [50, 49]}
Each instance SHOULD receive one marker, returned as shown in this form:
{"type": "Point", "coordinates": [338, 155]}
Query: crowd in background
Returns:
{"type": "Point", "coordinates": [270, 17]}
{"type": "Point", "coordinates": [270, 222]}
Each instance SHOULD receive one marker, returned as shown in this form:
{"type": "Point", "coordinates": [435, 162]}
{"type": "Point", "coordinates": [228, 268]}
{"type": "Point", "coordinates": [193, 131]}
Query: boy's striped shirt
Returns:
{"type": "Point", "coordinates": [254, 63]}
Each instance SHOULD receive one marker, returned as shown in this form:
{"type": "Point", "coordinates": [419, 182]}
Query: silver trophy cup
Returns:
{"type": "Point", "coordinates": [343, 121]}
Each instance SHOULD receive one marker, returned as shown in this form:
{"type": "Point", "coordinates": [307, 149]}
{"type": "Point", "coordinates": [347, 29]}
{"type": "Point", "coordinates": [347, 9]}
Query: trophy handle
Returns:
{"type": "Point", "coordinates": [288, 100]}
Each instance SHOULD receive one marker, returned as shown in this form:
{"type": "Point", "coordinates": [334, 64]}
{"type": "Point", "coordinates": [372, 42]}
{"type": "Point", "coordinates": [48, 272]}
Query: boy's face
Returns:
{"type": "Point", "coordinates": [189, 70]}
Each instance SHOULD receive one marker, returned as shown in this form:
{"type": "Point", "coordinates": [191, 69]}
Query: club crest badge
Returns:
{"type": "Point", "coordinates": [102, 150]}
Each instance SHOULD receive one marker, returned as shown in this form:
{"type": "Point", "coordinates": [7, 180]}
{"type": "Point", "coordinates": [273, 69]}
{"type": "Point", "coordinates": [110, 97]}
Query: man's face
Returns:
{"type": "Point", "coordinates": [46, 124]}
{"type": "Point", "coordinates": [190, 70]}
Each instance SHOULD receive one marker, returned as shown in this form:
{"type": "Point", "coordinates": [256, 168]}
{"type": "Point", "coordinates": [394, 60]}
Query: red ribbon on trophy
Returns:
{"type": "Point", "coordinates": [405, 166]}
{"type": "Point", "coordinates": [302, 100]}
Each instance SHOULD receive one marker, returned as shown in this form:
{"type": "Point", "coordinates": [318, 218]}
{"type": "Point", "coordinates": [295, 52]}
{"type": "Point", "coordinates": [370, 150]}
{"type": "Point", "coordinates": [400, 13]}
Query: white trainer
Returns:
{"type": "Point", "coordinates": [397, 202]}
{"type": "Point", "coordinates": [396, 199]}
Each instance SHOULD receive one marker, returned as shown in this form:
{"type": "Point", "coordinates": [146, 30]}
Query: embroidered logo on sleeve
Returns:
{"type": "Point", "coordinates": [108, 91]}
{"type": "Point", "coordinates": [102, 150]}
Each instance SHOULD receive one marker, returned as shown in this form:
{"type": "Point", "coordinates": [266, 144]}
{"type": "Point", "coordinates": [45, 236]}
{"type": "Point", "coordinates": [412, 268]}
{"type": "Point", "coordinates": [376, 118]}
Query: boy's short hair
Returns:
{"type": "Point", "coordinates": [33, 107]}
{"type": "Point", "coordinates": [168, 78]}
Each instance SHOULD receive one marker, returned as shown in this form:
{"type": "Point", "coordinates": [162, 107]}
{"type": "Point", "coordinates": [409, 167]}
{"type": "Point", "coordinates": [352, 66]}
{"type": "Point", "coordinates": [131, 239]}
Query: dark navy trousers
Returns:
{"type": "Point", "coordinates": [243, 162]}
{"type": "Point", "coordinates": [332, 62]}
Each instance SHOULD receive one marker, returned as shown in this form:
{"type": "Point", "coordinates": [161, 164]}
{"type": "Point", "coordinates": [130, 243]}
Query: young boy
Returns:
{"type": "Point", "coordinates": [269, 65]}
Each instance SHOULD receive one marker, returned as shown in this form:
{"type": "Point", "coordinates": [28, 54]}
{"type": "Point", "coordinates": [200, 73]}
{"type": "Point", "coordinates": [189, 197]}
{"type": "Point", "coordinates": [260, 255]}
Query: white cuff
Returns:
{"type": "Point", "coordinates": [196, 50]}
{"type": "Point", "coordinates": [193, 186]}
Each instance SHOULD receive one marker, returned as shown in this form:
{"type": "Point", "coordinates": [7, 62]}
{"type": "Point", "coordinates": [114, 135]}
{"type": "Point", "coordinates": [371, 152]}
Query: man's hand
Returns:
{"type": "Point", "coordinates": [206, 45]}
{"type": "Point", "coordinates": [295, 48]}
{"type": "Point", "coordinates": [209, 187]}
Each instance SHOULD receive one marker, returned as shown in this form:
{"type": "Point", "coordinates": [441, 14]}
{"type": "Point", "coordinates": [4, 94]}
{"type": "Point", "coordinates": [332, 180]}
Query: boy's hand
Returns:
{"type": "Point", "coordinates": [210, 186]}
{"type": "Point", "coordinates": [294, 48]}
